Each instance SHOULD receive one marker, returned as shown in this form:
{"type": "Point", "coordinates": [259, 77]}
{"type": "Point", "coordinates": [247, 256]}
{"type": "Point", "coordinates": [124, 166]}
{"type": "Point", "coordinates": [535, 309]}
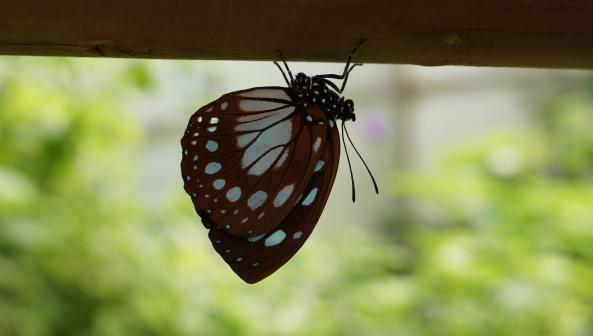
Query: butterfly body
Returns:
{"type": "Point", "coordinates": [259, 165]}
{"type": "Point", "coordinates": [314, 90]}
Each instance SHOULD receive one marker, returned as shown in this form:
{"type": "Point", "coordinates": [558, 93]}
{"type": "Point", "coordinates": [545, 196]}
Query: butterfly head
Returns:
{"type": "Point", "coordinates": [346, 111]}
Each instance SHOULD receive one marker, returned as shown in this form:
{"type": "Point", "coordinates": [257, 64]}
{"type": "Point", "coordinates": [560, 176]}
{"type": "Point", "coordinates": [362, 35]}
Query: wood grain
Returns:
{"type": "Point", "coordinates": [518, 33]}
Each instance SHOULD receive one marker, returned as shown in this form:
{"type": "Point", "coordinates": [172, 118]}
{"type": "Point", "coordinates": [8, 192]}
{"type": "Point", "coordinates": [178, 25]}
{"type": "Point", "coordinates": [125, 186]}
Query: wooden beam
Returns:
{"type": "Point", "coordinates": [518, 33]}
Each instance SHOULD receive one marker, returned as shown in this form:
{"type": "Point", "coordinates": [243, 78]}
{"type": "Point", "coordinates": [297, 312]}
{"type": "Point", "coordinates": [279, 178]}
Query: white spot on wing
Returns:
{"type": "Point", "coordinates": [224, 105]}
{"type": "Point", "coordinates": [297, 235]}
{"type": "Point", "coordinates": [266, 93]}
{"type": "Point", "coordinates": [283, 195]}
{"type": "Point", "coordinates": [214, 120]}
{"type": "Point", "coordinates": [257, 199]}
{"type": "Point", "coordinates": [275, 238]}
{"type": "Point", "coordinates": [233, 194]}
{"type": "Point", "coordinates": [211, 129]}
{"type": "Point", "coordinates": [317, 144]}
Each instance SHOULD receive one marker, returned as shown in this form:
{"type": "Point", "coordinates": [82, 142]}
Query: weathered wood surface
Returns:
{"type": "Point", "coordinates": [522, 33]}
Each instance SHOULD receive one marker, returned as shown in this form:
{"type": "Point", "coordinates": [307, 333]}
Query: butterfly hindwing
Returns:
{"type": "Point", "coordinates": [255, 258]}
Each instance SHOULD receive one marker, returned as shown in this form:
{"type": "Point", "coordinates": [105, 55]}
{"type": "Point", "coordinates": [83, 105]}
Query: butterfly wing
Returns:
{"type": "Point", "coordinates": [255, 258]}
{"type": "Point", "coordinates": [246, 159]}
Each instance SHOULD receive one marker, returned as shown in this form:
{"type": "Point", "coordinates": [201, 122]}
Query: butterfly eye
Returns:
{"type": "Point", "coordinates": [349, 105]}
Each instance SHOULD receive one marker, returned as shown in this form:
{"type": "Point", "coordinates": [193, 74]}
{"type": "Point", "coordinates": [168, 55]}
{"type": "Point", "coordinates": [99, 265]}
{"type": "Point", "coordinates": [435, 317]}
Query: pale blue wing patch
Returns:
{"type": "Point", "coordinates": [264, 122]}
{"type": "Point", "coordinates": [275, 238]}
{"type": "Point", "coordinates": [258, 116]}
{"type": "Point", "coordinates": [310, 197]}
{"type": "Point", "coordinates": [319, 166]}
{"type": "Point", "coordinates": [283, 195]}
{"type": "Point", "coordinates": [275, 136]}
{"type": "Point", "coordinates": [282, 158]}
{"type": "Point", "coordinates": [212, 168]}
{"type": "Point", "coordinates": [249, 105]}
{"type": "Point", "coordinates": [233, 194]}
{"type": "Point", "coordinates": [266, 94]}
{"type": "Point", "coordinates": [218, 184]}
{"type": "Point", "coordinates": [264, 163]}
{"type": "Point", "coordinates": [212, 146]}
{"type": "Point", "coordinates": [257, 199]}
{"type": "Point", "coordinates": [255, 238]}
{"type": "Point", "coordinates": [244, 139]}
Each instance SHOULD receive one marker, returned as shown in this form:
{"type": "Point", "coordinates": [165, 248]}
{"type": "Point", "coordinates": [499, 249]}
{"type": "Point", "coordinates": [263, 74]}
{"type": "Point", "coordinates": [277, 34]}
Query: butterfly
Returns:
{"type": "Point", "coordinates": [259, 165]}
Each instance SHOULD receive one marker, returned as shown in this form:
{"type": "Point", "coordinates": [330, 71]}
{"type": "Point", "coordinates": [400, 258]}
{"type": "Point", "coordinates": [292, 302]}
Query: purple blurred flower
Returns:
{"type": "Point", "coordinates": [376, 126]}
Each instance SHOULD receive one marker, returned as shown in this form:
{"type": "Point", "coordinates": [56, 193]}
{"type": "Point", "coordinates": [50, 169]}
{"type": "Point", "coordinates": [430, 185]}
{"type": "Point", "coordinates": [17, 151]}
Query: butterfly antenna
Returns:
{"type": "Point", "coordinates": [361, 42]}
{"type": "Point", "coordinates": [349, 165]}
{"type": "Point", "coordinates": [344, 130]}
{"type": "Point", "coordinates": [283, 74]}
{"type": "Point", "coordinates": [279, 53]}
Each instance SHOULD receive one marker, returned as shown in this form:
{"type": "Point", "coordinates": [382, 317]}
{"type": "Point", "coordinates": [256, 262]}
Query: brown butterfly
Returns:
{"type": "Point", "coordinates": [259, 165]}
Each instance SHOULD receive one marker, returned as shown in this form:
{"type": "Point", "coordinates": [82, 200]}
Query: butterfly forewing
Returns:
{"type": "Point", "coordinates": [247, 158]}
{"type": "Point", "coordinates": [255, 258]}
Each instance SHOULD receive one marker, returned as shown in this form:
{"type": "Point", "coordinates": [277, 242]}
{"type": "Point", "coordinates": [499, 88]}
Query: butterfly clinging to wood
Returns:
{"type": "Point", "coordinates": [259, 165]}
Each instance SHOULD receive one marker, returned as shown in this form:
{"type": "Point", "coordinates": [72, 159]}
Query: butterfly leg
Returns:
{"type": "Point", "coordinates": [343, 77]}
{"type": "Point", "coordinates": [345, 73]}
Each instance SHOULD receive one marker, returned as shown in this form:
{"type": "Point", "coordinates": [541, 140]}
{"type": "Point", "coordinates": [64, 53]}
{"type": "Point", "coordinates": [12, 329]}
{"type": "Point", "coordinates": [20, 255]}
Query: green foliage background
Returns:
{"type": "Point", "coordinates": [497, 242]}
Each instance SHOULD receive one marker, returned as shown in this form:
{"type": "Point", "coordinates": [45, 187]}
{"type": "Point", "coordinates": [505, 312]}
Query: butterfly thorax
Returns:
{"type": "Point", "coordinates": [314, 90]}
